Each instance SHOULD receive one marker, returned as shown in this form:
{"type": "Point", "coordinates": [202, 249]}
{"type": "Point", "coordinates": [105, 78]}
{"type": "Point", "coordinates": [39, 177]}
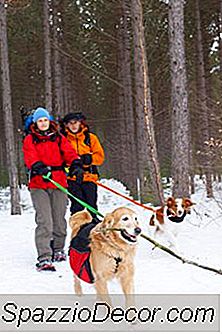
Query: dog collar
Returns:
{"type": "Point", "coordinates": [176, 219]}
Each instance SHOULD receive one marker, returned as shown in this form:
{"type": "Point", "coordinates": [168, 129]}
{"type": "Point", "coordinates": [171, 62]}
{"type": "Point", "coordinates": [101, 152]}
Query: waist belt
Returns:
{"type": "Point", "coordinates": [57, 167]}
{"type": "Point", "coordinates": [91, 169]}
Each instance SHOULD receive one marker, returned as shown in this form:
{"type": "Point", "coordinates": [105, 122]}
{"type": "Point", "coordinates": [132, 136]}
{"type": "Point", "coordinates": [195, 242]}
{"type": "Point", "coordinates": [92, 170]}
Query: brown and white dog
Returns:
{"type": "Point", "coordinates": [167, 219]}
{"type": "Point", "coordinates": [112, 249]}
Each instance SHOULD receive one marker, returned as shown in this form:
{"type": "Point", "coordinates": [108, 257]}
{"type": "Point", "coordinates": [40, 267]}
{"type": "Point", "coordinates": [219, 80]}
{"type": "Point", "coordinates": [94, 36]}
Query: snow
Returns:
{"type": "Point", "coordinates": [156, 271]}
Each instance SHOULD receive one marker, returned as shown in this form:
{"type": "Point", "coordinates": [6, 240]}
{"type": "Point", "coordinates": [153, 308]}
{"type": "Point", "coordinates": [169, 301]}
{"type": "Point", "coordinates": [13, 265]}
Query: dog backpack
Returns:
{"type": "Point", "coordinates": [79, 253]}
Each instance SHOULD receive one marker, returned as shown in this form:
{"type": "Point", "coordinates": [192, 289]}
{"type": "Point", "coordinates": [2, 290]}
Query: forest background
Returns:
{"type": "Point", "coordinates": [147, 75]}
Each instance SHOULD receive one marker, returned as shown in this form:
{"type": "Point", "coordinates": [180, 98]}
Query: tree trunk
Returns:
{"type": "Point", "coordinates": [219, 117]}
{"type": "Point", "coordinates": [67, 87]}
{"type": "Point", "coordinates": [57, 71]}
{"type": "Point", "coordinates": [125, 133]}
{"type": "Point", "coordinates": [180, 114]}
{"type": "Point", "coordinates": [47, 50]}
{"type": "Point", "coordinates": [202, 102]}
{"type": "Point", "coordinates": [7, 109]}
{"type": "Point", "coordinates": [123, 144]}
{"type": "Point", "coordinates": [220, 38]}
{"type": "Point", "coordinates": [145, 128]}
{"type": "Point", "coordinates": [128, 96]}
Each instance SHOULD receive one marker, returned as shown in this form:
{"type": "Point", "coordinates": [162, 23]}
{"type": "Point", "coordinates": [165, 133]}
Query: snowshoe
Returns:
{"type": "Point", "coordinates": [45, 265]}
{"type": "Point", "coordinates": [59, 256]}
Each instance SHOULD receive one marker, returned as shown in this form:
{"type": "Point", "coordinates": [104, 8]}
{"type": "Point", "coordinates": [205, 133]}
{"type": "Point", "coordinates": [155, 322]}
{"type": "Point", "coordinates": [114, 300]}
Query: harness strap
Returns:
{"type": "Point", "coordinates": [118, 260]}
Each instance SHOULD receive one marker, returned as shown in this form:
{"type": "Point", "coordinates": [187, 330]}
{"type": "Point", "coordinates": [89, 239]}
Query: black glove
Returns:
{"type": "Point", "coordinates": [86, 159]}
{"type": "Point", "coordinates": [76, 170]}
{"type": "Point", "coordinates": [77, 163]}
{"type": "Point", "coordinates": [39, 168]}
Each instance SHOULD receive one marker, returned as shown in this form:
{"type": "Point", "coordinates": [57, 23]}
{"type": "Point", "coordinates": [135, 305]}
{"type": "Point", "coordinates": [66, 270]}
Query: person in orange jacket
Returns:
{"type": "Point", "coordinates": [82, 175]}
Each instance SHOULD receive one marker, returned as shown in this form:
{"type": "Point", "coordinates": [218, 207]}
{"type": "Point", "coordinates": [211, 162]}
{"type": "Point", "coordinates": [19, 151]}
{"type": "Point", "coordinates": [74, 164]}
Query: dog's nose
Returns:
{"type": "Point", "coordinates": [180, 212]}
{"type": "Point", "coordinates": [137, 230]}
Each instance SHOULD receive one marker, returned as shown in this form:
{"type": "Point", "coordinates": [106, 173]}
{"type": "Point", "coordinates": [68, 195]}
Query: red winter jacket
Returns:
{"type": "Point", "coordinates": [53, 150]}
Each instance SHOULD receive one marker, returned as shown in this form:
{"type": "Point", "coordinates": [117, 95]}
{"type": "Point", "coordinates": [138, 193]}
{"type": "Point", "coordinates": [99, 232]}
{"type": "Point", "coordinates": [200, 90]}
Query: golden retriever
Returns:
{"type": "Point", "coordinates": [113, 244]}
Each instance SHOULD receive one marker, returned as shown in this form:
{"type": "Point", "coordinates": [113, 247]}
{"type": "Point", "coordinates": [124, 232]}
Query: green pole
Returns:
{"type": "Point", "coordinates": [86, 205]}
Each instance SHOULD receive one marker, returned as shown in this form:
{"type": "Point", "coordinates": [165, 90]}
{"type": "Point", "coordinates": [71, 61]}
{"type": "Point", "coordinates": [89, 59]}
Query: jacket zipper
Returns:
{"type": "Point", "coordinates": [77, 145]}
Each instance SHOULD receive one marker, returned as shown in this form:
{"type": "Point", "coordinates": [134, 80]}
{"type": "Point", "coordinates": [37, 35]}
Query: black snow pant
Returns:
{"type": "Point", "coordinates": [86, 191]}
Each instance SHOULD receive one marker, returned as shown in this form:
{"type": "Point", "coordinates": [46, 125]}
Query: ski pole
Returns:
{"type": "Point", "coordinates": [86, 205]}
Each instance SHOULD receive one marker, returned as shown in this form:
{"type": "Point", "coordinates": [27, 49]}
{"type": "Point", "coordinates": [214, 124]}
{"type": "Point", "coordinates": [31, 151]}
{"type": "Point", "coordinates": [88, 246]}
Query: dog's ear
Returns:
{"type": "Point", "coordinates": [170, 202]}
{"type": "Point", "coordinates": [187, 203]}
{"type": "Point", "coordinates": [108, 221]}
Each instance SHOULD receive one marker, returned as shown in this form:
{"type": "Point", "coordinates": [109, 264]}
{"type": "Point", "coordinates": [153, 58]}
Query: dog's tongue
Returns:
{"type": "Point", "coordinates": [131, 235]}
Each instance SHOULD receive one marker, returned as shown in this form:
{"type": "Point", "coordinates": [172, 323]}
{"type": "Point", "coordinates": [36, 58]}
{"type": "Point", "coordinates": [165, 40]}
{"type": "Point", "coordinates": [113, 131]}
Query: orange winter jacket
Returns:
{"type": "Point", "coordinates": [85, 142]}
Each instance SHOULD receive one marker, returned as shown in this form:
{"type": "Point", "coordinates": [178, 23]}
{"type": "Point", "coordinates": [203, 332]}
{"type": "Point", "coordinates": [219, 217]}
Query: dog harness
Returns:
{"type": "Point", "coordinates": [79, 253]}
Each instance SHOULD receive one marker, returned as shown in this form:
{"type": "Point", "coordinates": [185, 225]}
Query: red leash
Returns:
{"type": "Point", "coordinates": [125, 197]}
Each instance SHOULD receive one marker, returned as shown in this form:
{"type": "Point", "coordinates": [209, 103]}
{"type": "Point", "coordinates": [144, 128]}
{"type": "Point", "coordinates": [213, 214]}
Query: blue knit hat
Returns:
{"type": "Point", "coordinates": [40, 113]}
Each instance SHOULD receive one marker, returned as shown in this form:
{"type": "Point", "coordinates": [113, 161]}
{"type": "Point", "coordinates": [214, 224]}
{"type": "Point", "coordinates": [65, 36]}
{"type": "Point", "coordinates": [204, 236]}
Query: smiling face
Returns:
{"type": "Point", "coordinates": [43, 124]}
{"type": "Point", "coordinates": [74, 126]}
{"type": "Point", "coordinates": [126, 221]}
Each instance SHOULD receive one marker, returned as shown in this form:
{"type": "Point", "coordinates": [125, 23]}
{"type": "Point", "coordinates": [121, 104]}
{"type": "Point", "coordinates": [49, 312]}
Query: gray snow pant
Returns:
{"type": "Point", "coordinates": [50, 206]}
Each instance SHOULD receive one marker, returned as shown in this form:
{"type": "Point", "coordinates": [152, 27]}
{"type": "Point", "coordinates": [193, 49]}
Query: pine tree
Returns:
{"type": "Point", "coordinates": [7, 109]}
{"type": "Point", "coordinates": [180, 112]}
{"type": "Point", "coordinates": [145, 130]}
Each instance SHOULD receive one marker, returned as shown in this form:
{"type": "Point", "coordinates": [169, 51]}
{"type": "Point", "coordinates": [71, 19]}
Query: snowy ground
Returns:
{"type": "Point", "coordinates": [156, 271]}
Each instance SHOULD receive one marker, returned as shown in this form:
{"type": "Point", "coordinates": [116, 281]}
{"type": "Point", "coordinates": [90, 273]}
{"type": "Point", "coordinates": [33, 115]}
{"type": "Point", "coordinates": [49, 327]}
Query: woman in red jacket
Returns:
{"type": "Point", "coordinates": [46, 151]}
